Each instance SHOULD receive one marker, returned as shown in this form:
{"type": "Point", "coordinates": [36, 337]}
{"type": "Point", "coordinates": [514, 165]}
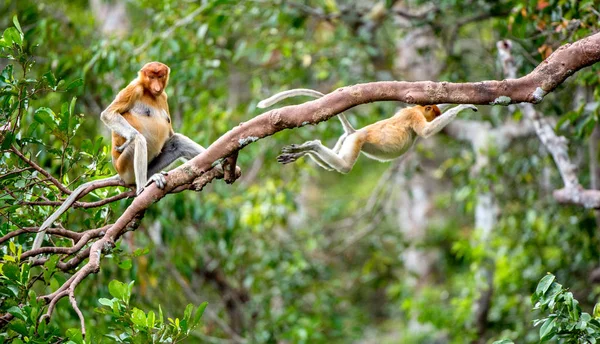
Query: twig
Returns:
{"type": "Point", "coordinates": [83, 240]}
{"type": "Point", "coordinates": [37, 167]}
{"type": "Point", "coordinates": [83, 205]}
{"type": "Point", "coordinates": [54, 231]}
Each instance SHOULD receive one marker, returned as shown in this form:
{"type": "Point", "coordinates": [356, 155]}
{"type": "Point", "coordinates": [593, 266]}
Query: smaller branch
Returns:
{"type": "Point", "coordinates": [85, 238]}
{"type": "Point", "coordinates": [94, 253]}
{"type": "Point", "coordinates": [84, 205]}
{"type": "Point", "coordinates": [52, 304]}
{"type": "Point", "coordinates": [229, 168]}
{"type": "Point", "coordinates": [73, 302]}
{"type": "Point", "coordinates": [37, 167]}
{"type": "Point", "coordinates": [68, 266]}
{"type": "Point", "coordinates": [54, 231]}
{"type": "Point", "coordinates": [19, 171]}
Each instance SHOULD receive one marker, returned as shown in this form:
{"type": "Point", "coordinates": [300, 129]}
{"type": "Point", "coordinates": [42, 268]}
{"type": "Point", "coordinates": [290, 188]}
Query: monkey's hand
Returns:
{"type": "Point", "coordinates": [288, 158]}
{"type": "Point", "coordinates": [290, 154]}
{"type": "Point", "coordinates": [130, 136]}
{"type": "Point", "coordinates": [122, 147]}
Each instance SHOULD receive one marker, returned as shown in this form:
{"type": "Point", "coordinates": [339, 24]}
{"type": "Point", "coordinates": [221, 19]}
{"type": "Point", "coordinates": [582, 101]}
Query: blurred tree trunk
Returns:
{"type": "Point", "coordinates": [111, 17]}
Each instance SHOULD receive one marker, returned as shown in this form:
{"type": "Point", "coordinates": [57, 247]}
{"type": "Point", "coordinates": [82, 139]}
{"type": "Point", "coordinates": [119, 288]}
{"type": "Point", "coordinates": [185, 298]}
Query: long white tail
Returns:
{"type": "Point", "coordinates": [276, 98]}
{"type": "Point", "coordinates": [39, 238]}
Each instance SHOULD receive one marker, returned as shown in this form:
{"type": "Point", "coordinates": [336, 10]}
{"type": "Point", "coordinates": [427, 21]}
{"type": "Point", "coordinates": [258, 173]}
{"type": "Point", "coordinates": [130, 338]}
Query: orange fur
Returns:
{"type": "Point", "coordinates": [392, 137]}
{"type": "Point", "coordinates": [143, 103]}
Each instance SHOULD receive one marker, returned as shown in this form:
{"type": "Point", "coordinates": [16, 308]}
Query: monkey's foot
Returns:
{"type": "Point", "coordinates": [294, 148]}
{"type": "Point", "coordinates": [287, 158]}
{"type": "Point", "coordinates": [159, 179]}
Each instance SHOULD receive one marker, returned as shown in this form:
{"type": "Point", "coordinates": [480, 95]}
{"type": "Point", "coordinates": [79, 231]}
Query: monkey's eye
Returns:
{"type": "Point", "coordinates": [428, 108]}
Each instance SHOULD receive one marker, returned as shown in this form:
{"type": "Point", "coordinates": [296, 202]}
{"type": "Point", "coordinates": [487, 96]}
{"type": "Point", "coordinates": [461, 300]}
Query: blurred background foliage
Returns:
{"type": "Point", "coordinates": [390, 253]}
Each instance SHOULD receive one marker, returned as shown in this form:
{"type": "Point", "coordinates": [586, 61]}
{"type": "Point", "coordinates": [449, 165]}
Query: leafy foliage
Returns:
{"type": "Point", "coordinates": [288, 253]}
{"type": "Point", "coordinates": [566, 320]}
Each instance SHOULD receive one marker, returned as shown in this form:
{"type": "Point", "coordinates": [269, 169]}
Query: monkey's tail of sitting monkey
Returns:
{"type": "Point", "coordinates": [276, 98]}
{"type": "Point", "coordinates": [39, 238]}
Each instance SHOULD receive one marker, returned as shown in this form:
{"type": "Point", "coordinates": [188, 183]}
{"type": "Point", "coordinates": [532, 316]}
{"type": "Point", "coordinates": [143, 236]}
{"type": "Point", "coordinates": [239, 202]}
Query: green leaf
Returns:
{"type": "Point", "coordinates": [503, 341]}
{"type": "Point", "coordinates": [50, 78]}
{"type": "Point", "coordinates": [150, 319]}
{"type": "Point", "coordinates": [105, 302]}
{"type": "Point", "coordinates": [117, 289]}
{"type": "Point", "coordinates": [45, 116]}
{"type": "Point", "coordinates": [187, 313]}
{"type": "Point", "coordinates": [20, 327]}
{"type": "Point", "coordinates": [74, 83]}
{"type": "Point", "coordinates": [138, 317]}
{"type": "Point", "coordinates": [12, 36]}
{"type": "Point", "coordinates": [75, 335]}
{"type": "Point", "coordinates": [544, 284]}
{"type": "Point", "coordinates": [17, 25]}
{"type": "Point", "coordinates": [8, 139]}
{"type": "Point", "coordinates": [199, 313]}
{"type": "Point", "coordinates": [17, 312]}
{"type": "Point", "coordinates": [125, 264]}
{"type": "Point", "coordinates": [547, 330]}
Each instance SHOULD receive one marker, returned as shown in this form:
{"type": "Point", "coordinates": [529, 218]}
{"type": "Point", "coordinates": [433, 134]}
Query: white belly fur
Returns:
{"type": "Point", "coordinates": [155, 126]}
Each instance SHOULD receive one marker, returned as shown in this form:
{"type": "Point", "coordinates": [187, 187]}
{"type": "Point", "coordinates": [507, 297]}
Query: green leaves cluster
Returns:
{"type": "Point", "coordinates": [565, 320]}
{"type": "Point", "coordinates": [133, 325]}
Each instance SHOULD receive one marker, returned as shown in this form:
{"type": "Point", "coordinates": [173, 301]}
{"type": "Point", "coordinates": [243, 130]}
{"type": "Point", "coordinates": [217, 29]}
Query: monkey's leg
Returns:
{"type": "Point", "coordinates": [345, 159]}
{"type": "Point", "coordinates": [294, 152]}
{"type": "Point", "coordinates": [289, 157]}
{"type": "Point", "coordinates": [341, 162]}
{"type": "Point", "coordinates": [39, 238]}
{"type": "Point", "coordinates": [339, 143]}
{"type": "Point", "coordinates": [178, 146]}
{"type": "Point", "coordinates": [317, 159]}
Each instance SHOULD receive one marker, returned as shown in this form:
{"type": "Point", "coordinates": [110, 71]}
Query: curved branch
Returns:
{"type": "Point", "coordinates": [59, 231]}
{"type": "Point", "coordinates": [85, 205]}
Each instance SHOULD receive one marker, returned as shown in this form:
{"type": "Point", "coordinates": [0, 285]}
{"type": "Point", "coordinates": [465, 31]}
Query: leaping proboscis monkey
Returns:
{"type": "Point", "coordinates": [143, 141]}
{"type": "Point", "coordinates": [385, 140]}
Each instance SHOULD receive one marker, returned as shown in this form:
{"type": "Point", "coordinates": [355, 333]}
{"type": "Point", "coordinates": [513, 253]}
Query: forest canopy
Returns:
{"type": "Point", "coordinates": [484, 233]}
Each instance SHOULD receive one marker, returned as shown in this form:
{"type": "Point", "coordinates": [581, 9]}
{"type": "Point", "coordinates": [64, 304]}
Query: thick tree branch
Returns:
{"type": "Point", "coordinates": [572, 192]}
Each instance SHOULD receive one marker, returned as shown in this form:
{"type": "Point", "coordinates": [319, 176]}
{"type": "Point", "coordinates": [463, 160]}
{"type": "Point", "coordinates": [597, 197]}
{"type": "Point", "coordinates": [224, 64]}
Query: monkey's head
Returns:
{"type": "Point", "coordinates": [431, 112]}
{"type": "Point", "coordinates": [154, 77]}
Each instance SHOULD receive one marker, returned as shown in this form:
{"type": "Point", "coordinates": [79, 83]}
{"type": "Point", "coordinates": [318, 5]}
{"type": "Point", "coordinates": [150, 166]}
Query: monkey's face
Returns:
{"type": "Point", "coordinates": [155, 76]}
{"type": "Point", "coordinates": [431, 112]}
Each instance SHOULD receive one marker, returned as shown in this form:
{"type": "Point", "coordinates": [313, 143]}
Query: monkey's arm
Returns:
{"type": "Point", "coordinates": [426, 129]}
{"type": "Point", "coordinates": [112, 115]}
